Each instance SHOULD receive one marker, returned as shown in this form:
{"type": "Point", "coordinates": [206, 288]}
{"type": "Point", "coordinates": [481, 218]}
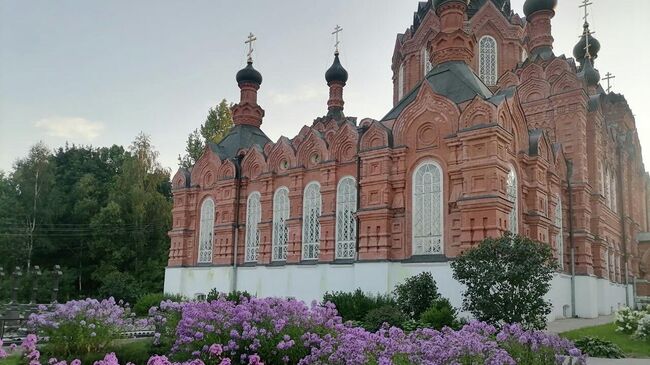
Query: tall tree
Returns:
{"type": "Point", "coordinates": [216, 127]}
{"type": "Point", "coordinates": [218, 122]}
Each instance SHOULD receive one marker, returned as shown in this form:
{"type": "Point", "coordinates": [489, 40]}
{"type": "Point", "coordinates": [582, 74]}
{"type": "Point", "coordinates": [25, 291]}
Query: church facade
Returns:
{"type": "Point", "coordinates": [490, 132]}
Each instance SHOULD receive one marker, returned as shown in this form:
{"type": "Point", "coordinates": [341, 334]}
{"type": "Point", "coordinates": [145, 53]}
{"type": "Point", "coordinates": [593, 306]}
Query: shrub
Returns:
{"type": "Point", "coordinates": [79, 327]}
{"type": "Point", "coordinates": [643, 328]}
{"type": "Point", "coordinates": [416, 294]}
{"type": "Point", "coordinates": [142, 306]}
{"type": "Point", "coordinates": [235, 296]}
{"type": "Point", "coordinates": [356, 305]}
{"type": "Point", "coordinates": [597, 347]}
{"type": "Point", "coordinates": [506, 280]}
{"type": "Point", "coordinates": [389, 314]}
{"type": "Point", "coordinates": [440, 314]}
{"type": "Point", "coordinates": [627, 320]}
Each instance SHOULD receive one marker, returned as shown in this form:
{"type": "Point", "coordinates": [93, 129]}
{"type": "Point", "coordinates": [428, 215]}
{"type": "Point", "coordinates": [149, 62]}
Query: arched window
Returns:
{"type": "Point", "coordinates": [559, 239]}
{"type": "Point", "coordinates": [280, 230]}
{"type": "Point", "coordinates": [512, 191]}
{"type": "Point", "coordinates": [346, 223]}
{"type": "Point", "coordinates": [253, 218]}
{"type": "Point", "coordinates": [613, 187]}
{"type": "Point", "coordinates": [608, 198]}
{"type": "Point", "coordinates": [488, 66]}
{"type": "Point", "coordinates": [427, 209]}
{"type": "Point", "coordinates": [206, 231]}
{"type": "Point", "coordinates": [400, 82]}
{"type": "Point", "coordinates": [602, 178]}
{"type": "Point", "coordinates": [426, 61]}
{"type": "Point", "coordinates": [311, 222]}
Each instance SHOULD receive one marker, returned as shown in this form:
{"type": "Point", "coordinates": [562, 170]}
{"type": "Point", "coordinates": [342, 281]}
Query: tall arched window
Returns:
{"type": "Point", "coordinates": [602, 178]}
{"type": "Point", "coordinates": [559, 238]}
{"type": "Point", "coordinates": [311, 222]}
{"type": "Point", "coordinates": [426, 61]}
{"type": "Point", "coordinates": [427, 209]}
{"type": "Point", "coordinates": [608, 197]}
{"type": "Point", "coordinates": [253, 218]}
{"type": "Point", "coordinates": [281, 211]}
{"type": "Point", "coordinates": [206, 231]}
{"type": "Point", "coordinates": [346, 223]}
{"type": "Point", "coordinates": [400, 82]}
{"type": "Point", "coordinates": [613, 187]}
{"type": "Point", "coordinates": [488, 62]}
{"type": "Point", "coordinates": [513, 195]}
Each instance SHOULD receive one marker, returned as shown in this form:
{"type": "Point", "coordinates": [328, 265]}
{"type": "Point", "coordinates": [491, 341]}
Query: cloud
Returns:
{"type": "Point", "coordinates": [71, 128]}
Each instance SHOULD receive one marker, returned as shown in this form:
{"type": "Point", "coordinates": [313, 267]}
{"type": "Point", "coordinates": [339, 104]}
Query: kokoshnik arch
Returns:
{"type": "Point", "coordinates": [490, 132]}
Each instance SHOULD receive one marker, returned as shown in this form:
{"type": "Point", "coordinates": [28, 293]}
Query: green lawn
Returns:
{"type": "Point", "coordinates": [11, 360]}
{"type": "Point", "coordinates": [630, 346]}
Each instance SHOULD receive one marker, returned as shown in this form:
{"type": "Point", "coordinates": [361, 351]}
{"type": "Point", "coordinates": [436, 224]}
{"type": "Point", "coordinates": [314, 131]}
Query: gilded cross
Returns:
{"type": "Point", "coordinates": [250, 41]}
{"type": "Point", "coordinates": [585, 5]}
{"type": "Point", "coordinates": [608, 77]}
{"type": "Point", "coordinates": [336, 32]}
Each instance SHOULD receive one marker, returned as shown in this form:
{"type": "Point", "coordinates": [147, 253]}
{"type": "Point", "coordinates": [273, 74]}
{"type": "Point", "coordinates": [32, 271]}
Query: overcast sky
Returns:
{"type": "Point", "coordinates": [99, 72]}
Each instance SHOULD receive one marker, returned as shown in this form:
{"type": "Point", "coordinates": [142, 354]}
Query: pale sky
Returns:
{"type": "Point", "coordinates": [99, 72]}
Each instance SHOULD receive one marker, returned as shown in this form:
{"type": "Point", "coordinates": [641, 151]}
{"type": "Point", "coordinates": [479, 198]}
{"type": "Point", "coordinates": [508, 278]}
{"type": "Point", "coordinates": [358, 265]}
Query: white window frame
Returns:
{"type": "Point", "coordinates": [426, 61]}
{"type": "Point", "coordinates": [206, 232]}
{"type": "Point", "coordinates": [559, 238]}
{"type": "Point", "coordinates": [489, 76]}
{"type": "Point", "coordinates": [281, 213]}
{"type": "Point", "coordinates": [312, 204]}
{"type": "Point", "coordinates": [346, 221]}
{"type": "Point", "coordinates": [253, 219]}
{"type": "Point", "coordinates": [435, 237]}
{"type": "Point", "coordinates": [512, 193]}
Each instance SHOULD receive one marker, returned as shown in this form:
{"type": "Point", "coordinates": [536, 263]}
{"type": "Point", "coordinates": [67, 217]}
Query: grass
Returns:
{"type": "Point", "coordinates": [631, 347]}
{"type": "Point", "coordinates": [11, 360]}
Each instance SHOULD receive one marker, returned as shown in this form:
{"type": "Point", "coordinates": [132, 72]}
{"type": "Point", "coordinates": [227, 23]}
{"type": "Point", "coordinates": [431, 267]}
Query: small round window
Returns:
{"type": "Point", "coordinates": [315, 158]}
{"type": "Point", "coordinates": [284, 164]}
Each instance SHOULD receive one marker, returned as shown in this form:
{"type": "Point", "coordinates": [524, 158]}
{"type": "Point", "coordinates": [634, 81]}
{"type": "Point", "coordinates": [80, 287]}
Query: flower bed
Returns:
{"type": "Point", "coordinates": [281, 331]}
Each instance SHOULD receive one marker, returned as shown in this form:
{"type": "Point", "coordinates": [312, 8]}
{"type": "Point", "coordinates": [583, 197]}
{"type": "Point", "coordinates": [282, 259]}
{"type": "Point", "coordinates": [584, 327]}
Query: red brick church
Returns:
{"type": "Point", "coordinates": [491, 131]}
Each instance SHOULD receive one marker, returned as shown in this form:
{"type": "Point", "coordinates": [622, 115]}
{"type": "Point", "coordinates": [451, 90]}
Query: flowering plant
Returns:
{"type": "Point", "coordinates": [280, 331]}
{"type": "Point", "coordinates": [81, 326]}
{"type": "Point", "coordinates": [643, 328]}
{"type": "Point", "coordinates": [627, 320]}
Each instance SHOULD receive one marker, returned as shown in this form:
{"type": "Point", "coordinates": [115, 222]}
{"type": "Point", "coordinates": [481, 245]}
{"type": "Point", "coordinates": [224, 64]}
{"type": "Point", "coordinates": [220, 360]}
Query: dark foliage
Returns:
{"type": "Point", "coordinates": [389, 314]}
{"type": "Point", "coordinates": [597, 347]}
{"type": "Point", "coordinates": [356, 305]}
{"type": "Point", "coordinates": [416, 294]}
{"type": "Point", "coordinates": [145, 302]}
{"type": "Point", "coordinates": [235, 296]}
{"type": "Point", "coordinates": [506, 280]}
{"type": "Point", "coordinates": [441, 314]}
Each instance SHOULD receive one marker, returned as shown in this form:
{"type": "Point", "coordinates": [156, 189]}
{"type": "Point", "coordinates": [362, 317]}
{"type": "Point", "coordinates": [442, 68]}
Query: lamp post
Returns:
{"type": "Point", "coordinates": [56, 276]}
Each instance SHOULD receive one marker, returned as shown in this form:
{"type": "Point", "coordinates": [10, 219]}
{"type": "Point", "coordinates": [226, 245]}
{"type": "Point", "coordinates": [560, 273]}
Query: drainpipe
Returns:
{"type": "Point", "coordinates": [238, 178]}
{"type": "Point", "coordinates": [569, 173]}
{"type": "Point", "coordinates": [619, 195]}
{"type": "Point", "coordinates": [361, 131]}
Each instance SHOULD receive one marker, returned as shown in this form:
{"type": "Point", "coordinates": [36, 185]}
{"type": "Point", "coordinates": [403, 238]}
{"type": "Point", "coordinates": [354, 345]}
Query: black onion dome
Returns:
{"type": "Point", "coordinates": [580, 51]}
{"type": "Point", "coordinates": [249, 74]}
{"type": "Point", "coordinates": [589, 73]}
{"type": "Point", "coordinates": [336, 72]}
{"type": "Point", "coordinates": [533, 6]}
{"type": "Point", "coordinates": [438, 3]}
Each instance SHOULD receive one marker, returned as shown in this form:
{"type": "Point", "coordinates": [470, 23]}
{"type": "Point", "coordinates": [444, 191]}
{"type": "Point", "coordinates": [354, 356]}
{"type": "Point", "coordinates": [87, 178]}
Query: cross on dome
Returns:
{"type": "Point", "coordinates": [250, 41]}
{"type": "Point", "coordinates": [336, 32]}
{"type": "Point", "coordinates": [609, 76]}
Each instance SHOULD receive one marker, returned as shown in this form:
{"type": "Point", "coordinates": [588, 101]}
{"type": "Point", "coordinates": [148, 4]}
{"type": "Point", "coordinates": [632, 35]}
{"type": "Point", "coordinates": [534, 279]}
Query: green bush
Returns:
{"type": "Point", "coordinates": [416, 294]}
{"type": "Point", "coordinates": [235, 296]}
{"type": "Point", "coordinates": [440, 314]}
{"type": "Point", "coordinates": [597, 347]}
{"type": "Point", "coordinates": [356, 305]}
{"type": "Point", "coordinates": [386, 314]}
{"type": "Point", "coordinates": [145, 302]}
{"type": "Point", "coordinates": [506, 280]}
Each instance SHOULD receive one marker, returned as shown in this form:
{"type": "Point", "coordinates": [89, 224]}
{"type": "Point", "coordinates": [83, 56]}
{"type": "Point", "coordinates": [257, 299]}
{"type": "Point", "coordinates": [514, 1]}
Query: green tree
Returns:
{"type": "Point", "coordinates": [415, 295]}
{"type": "Point", "coordinates": [216, 126]}
{"type": "Point", "coordinates": [218, 122]}
{"type": "Point", "coordinates": [193, 149]}
{"type": "Point", "coordinates": [506, 280]}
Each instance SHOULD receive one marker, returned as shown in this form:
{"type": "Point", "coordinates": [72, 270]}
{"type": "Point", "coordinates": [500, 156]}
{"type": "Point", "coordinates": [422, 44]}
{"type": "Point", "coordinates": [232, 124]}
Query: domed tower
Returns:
{"type": "Point", "coordinates": [539, 14]}
{"type": "Point", "coordinates": [336, 77]}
